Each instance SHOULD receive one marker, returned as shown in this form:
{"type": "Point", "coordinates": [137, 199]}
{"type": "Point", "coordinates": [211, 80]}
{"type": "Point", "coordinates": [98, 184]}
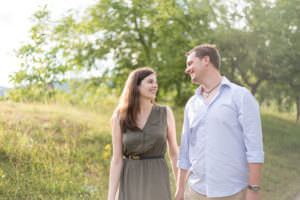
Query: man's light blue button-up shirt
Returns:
{"type": "Point", "coordinates": [220, 139]}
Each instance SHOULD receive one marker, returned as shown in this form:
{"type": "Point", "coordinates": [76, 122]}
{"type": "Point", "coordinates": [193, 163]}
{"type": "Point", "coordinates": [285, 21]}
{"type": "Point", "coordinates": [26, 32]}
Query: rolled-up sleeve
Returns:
{"type": "Point", "coordinates": [249, 118]}
{"type": "Point", "coordinates": [184, 161]}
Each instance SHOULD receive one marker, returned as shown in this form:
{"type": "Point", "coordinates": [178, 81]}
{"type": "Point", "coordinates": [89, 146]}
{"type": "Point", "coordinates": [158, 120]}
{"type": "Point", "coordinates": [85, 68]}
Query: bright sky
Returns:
{"type": "Point", "coordinates": [15, 24]}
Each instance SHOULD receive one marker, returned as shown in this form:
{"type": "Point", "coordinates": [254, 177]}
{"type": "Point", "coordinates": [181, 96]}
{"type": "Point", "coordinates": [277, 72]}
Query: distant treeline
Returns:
{"type": "Point", "coordinates": [259, 42]}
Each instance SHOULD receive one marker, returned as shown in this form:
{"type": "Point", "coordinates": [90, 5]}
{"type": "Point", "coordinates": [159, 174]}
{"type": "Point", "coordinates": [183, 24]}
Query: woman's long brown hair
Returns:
{"type": "Point", "coordinates": [129, 105]}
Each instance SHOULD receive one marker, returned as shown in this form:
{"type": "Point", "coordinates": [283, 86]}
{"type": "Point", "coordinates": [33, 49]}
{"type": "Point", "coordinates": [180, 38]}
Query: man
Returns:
{"type": "Point", "coordinates": [221, 143]}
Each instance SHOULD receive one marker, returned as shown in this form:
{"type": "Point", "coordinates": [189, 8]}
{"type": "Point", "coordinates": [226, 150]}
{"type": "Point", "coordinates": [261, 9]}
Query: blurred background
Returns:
{"type": "Point", "coordinates": [64, 65]}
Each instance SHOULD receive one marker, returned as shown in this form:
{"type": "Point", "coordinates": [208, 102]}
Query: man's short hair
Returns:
{"type": "Point", "coordinates": [209, 50]}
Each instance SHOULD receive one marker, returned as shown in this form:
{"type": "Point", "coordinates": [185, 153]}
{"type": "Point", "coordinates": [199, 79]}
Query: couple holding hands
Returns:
{"type": "Point", "coordinates": [221, 150]}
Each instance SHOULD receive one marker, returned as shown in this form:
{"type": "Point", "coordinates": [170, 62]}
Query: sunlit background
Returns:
{"type": "Point", "coordinates": [15, 23]}
{"type": "Point", "coordinates": [55, 134]}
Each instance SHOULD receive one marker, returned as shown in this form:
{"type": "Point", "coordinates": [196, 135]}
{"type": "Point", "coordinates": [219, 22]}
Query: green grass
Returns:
{"type": "Point", "coordinates": [58, 152]}
{"type": "Point", "coordinates": [52, 152]}
{"type": "Point", "coordinates": [281, 172]}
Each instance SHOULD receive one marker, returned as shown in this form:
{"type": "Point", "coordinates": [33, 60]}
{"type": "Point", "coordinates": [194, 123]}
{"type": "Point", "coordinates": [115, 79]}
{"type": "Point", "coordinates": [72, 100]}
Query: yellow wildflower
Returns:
{"type": "Point", "coordinates": [107, 147]}
{"type": "Point", "coordinates": [106, 155]}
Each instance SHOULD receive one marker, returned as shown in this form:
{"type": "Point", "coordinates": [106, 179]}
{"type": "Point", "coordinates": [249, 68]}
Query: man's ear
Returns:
{"type": "Point", "coordinates": [206, 59]}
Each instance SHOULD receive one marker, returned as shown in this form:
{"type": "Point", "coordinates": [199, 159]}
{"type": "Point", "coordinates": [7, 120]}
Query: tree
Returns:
{"type": "Point", "coordinates": [285, 42]}
{"type": "Point", "coordinates": [154, 33]}
{"type": "Point", "coordinates": [247, 56]}
{"type": "Point", "coordinates": [40, 64]}
{"type": "Point", "coordinates": [134, 33]}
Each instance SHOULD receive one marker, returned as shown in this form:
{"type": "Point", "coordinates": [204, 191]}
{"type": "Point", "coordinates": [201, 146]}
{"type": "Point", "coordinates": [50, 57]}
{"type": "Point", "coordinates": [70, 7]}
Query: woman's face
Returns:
{"type": "Point", "coordinates": [148, 87]}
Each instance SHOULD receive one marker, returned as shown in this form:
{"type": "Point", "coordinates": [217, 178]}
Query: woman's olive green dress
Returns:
{"type": "Point", "coordinates": [146, 179]}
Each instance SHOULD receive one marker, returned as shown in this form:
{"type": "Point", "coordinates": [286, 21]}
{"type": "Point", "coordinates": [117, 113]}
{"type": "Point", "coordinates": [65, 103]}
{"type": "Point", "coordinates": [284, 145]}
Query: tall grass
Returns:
{"type": "Point", "coordinates": [62, 151]}
{"type": "Point", "coordinates": [53, 152]}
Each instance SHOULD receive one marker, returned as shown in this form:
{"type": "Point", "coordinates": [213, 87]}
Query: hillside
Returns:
{"type": "Point", "coordinates": [63, 152]}
{"type": "Point", "coordinates": [52, 152]}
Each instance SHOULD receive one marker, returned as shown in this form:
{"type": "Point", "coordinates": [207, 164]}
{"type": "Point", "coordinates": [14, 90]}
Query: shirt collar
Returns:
{"type": "Point", "coordinates": [224, 82]}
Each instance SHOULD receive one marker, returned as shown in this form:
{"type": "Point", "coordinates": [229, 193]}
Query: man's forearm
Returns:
{"type": "Point", "coordinates": [253, 192]}
{"type": "Point", "coordinates": [255, 173]}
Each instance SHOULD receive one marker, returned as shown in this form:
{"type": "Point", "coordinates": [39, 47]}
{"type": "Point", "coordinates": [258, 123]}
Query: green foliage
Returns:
{"type": "Point", "coordinates": [246, 53]}
{"type": "Point", "coordinates": [259, 44]}
{"type": "Point", "coordinates": [135, 33]}
{"type": "Point", "coordinates": [263, 55]}
{"type": "Point", "coordinates": [93, 93]}
{"type": "Point", "coordinates": [286, 37]}
{"type": "Point", "coordinates": [40, 64]}
{"type": "Point", "coordinates": [32, 93]}
{"type": "Point", "coordinates": [152, 33]}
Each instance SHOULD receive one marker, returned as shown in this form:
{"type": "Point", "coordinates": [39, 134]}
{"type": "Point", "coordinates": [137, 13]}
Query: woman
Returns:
{"type": "Point", "coordinates": [140, 131]}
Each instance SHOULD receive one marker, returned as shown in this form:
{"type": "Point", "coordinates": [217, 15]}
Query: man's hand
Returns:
{"type": "Point", "coordinates": [251, 195]}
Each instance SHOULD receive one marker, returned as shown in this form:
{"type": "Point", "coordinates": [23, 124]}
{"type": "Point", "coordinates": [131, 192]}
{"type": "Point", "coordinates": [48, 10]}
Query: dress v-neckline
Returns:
{"type": "Point", "coordinates": [142, 129]}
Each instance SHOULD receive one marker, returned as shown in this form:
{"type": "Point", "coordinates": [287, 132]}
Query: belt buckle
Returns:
{"type": "Point", "coordinates": [134, 157]}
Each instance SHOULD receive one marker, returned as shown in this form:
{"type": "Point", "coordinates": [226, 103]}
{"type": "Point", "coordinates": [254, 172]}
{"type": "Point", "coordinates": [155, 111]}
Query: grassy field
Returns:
{"type": "Point", "coordinates": [63, 152]}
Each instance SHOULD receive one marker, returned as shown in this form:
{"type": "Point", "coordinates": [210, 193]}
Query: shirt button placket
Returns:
{"type": "Point", "coordinates": [205, 143]}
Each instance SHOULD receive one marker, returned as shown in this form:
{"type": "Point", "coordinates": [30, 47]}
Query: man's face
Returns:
{"type": "Point", "coordinates": [195, 67]}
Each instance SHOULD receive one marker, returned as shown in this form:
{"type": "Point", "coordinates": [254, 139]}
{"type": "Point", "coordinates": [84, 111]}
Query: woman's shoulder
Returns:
{"type": "Point", "coordinates": [115, 118]}
{"type": "Point", "coordinates": [160, 107]}
{"type": "Point", "coordinates": [163, 108]}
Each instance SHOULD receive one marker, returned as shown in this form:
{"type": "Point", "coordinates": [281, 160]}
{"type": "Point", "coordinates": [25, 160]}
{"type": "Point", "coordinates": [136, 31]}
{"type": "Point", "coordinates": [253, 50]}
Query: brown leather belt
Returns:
{"type": "Point", "coordinates": [141, 157]}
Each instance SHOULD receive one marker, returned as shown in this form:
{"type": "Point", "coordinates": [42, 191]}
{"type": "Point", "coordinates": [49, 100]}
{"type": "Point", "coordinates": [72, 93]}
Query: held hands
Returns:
{"type": "Point", "coordinates": [179, 195]}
